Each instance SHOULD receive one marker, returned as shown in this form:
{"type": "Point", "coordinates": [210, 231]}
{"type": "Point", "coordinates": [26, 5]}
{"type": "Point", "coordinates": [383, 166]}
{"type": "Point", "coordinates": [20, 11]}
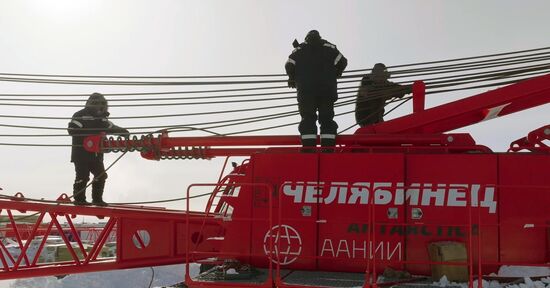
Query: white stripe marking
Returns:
{"type": "Point", "coordinates": [291, 61]}
{"type": "Point", "coordinates": [77, 123]}
{"type": "Point", "coordinates": [493, 112]}
{"type": "Point", "coordinates": [329, 45]}
{"type": "Point", "coordinates": [337, 58]}
{"type": "Point", "coordinates": [328, 136]}
{"type": "Point", "coordinates": [309, 136]}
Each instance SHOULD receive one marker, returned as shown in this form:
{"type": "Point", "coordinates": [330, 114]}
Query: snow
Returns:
{"type": "Point", "coordinates": [508, 271]}
{"type": "Point", "coordinates": [170, 275]}
{"type": "Point", "coordinates": [523, 271]}
{"type": "Point", "coordinates": [527, 283]}
{"type": "Point", "coordinates": [140, 277]}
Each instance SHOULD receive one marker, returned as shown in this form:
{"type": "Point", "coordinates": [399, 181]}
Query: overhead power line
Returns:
{"type": "Point", "coordinates": [261, 118]}
{"type": "Point", "coordinates": [261, 75]}
{"type": "Point", "coordinates": [512, 69]}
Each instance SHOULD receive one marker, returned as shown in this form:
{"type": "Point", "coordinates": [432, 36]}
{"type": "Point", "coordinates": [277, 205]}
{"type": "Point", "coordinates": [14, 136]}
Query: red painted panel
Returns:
{"type": "Point", "coordinates": [237, 224]}
{"type": "Point", "coordinates": [344, 217]}
{"type": "Point", "coordinates": [205, 236]}
{"type": "Point", "coordinates": [524, 197]}
{"type": "Point", "coordinates": [297, 233]}
{"type": "Point", "coordinates": [154, 239]}
{"type": "Point", "coordinates": [444, 208]}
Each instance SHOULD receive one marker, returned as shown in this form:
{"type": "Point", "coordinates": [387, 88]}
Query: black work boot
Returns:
{"type": "Point", "coordinates": [99, 202]}
{"type": "Point", "coordinates": [328, 145]}
{"type": "Point", "coordinates": [97, 193]}
{"type": "Point", "coordinates": [81, 202]}
{"type": "Point", "coordinates": [79, 193]}
{"type": "Point", "coordinates": [308, 145]}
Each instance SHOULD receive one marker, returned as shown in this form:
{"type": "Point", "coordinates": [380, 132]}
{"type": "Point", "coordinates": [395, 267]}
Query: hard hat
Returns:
{"type": "Point", "coordinates": [97, 101]}
{"type": "Point", "coordinates": [313, 36]}
{"type": "Point", "coordinates": [380, 70]}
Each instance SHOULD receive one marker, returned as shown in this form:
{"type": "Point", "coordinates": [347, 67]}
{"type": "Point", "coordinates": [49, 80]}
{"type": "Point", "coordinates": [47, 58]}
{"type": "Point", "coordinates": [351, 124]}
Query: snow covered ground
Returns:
{"type": "Point", "coordinates": [509, 271]}
{"type": "Point", "coordinates": [169, 275]}
{"type": "Point", "coordinates": [135, 278]}
{"type": "Point", "coordinates": [526, 283]}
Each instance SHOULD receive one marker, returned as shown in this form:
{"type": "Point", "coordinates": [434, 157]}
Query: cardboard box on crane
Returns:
{"type": "Point", "coordinates": [449, 252]}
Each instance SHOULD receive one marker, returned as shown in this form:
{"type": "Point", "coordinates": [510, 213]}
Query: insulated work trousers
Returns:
{"type": "Point", "coordinates": [308, 107]}
{"type": "Point", "coordinates": [83, 169]}
{"type": "Point", "coordinates": [369, 117]}
{"type": "Point", "coordinates": [368, 111]}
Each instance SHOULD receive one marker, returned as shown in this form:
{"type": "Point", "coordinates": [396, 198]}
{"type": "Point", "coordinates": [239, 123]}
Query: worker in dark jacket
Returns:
{"type": "Point", "coordinates": [312, 69]}
{"type": "Point", "coordinates": [93, 119]}
{"type": "Point", "coordinates": [373, 93]}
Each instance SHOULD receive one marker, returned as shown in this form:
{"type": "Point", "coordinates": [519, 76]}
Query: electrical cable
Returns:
{"type": "Point", "coordinates": [152, 277]}
{"type": "Point", "coordinates": [147, 93]}
{"type": "Point", "coordinates": [475, 65]}
{"type": "Point", "coordinates": [353, 101]}
{"type": "Point", "coordinates": [430, 85]}
{"type": "Point", "coordinates": [164, 200]}
{"type": "Point", "coordinates": [83, 190]}
{"type": "Point", "coordinates": [518, 70]}
{"type": "Point", "coordinates": [459, 59]}
{"type": "Point", "coordinates": [453, 71]}
{"type": "Point", "coordinates": [156, 83]}
{"type": "Point", "coordinates": [135, 83]}
{"type": "Point", "coordinates": [433, 92]}
{"type": "Point", "coordinates": [440, 86]}
{"type": "Point", "coordinates": [267, 75]}
{"type": "Point", "coordinates": [485, 73]}
{"type": "Point", "coordinates": [155, 104]}
{"type": "Point", "coordinates": [540, 66]}
{"type": "Point", "coordinates": [104, 82]}
{"type": "Point", "coordinates": [266, 118]}
{"type": "Point", "coordinates": [160, 127]}
{"type": "Point", "coordinates": [545, 65]}
{"type": "Point", "coordinates": [402, 100]}
{"type": "Point", "coordinates": [175, 98]}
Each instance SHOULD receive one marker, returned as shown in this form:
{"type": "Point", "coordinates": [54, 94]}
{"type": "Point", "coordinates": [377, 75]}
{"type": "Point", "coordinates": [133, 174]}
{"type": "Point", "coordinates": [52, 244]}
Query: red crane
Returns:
{"type": "Point", "coordinates": [380, 199]}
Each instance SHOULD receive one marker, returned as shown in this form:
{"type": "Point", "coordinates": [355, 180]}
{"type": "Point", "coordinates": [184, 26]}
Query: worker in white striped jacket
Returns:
{"type": "Point", "coordinates": [312, 69]}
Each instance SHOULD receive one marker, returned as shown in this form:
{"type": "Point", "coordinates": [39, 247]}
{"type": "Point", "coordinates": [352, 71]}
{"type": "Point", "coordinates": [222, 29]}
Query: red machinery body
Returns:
{"type": "Point", "coordinates": [378, 200]}
{"type": "Point", "coordinates": [344, 209]}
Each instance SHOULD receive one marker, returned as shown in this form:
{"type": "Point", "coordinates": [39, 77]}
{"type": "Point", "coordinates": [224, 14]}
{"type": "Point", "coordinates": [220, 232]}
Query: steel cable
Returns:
{"type": "Point", "coordinates": [275, 75]}
{"type": "Point", "coordinates": [269, 117]}
{"type": "Point", "coordinates": [459, 59]}
{"type": "Point", "coordinates": [155, 83]}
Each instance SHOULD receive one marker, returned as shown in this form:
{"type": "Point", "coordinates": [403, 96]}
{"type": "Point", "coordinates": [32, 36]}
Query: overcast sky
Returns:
{"type": "Point", "coordinates": [131, 37]}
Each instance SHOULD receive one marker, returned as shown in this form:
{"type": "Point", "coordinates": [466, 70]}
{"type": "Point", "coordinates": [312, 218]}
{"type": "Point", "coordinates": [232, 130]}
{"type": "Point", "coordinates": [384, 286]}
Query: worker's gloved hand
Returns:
{"type": "Point", "coordinates": [103, 114]}
{"type": "Point", "coordinates": [409, 89]}
{"type": "Point", "coordinates": [291, 83]}
{"type": "Point", "coordinates": [119, 131]}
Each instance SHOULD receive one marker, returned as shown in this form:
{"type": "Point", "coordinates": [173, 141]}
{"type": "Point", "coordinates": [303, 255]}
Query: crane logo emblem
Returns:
{"type": "Point", "coordinates": [287, 244]}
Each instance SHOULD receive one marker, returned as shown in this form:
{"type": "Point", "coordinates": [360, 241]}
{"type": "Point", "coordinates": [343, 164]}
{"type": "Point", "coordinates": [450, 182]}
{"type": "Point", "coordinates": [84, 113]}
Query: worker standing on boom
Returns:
{"type": "Point", "coordinates": [93, 119]}
{"type": "Point", "coordinates": [312, 69]}
{"type": "Point", "coordinates": [373, 93]}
